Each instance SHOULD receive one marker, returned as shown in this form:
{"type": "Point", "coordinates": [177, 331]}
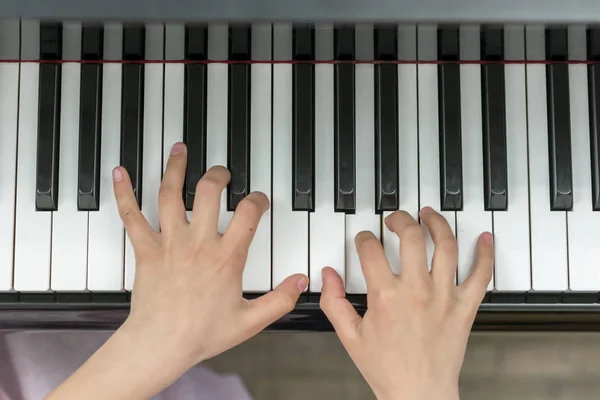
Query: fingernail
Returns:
{"type": "Point", "coordinates": [303, 284]}
{"type": "Point", "coordinates": [117, 174]}
{"type": "Point", "coordinates": [178, 148]}
{"type": "Point", "coordinates": [426, 210]}
{"type": "Point", "coordinates": [487, 236]}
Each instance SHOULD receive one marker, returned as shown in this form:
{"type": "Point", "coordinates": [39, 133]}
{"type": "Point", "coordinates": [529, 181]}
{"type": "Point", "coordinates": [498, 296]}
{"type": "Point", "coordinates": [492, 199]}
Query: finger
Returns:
{"type": "Point", "coordinates": [244, 222]}
{"type": "Point", "coordinates": [412, 245]}
{"type": "Point", "coordinates": [445, 255]}
{"type": "Point", "coordinates": [339, 311]}
{"type": "Point", "coordinates": [134, 221]}
{"type": "Point", "coordinates": [375, 266]}
{"type": "Point", "coordinates": [171, 208]}
{"type": "Point", "coordinates": [475, 286]}
{"type": "Point", "coordinates": [270, 307]}
{"type": "Point", "coordinates": [207, 201]}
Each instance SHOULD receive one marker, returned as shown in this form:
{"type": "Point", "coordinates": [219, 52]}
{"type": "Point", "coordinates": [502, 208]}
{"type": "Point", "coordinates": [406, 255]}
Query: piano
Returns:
{"type": "Point", "coordinates": [340, 111]}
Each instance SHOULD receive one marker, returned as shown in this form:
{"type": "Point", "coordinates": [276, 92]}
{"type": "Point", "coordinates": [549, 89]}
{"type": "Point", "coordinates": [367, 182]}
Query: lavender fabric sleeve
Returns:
{"type": "Point", "coordinates": [34, 363]}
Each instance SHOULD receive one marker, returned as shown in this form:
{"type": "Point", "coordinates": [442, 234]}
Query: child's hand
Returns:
{"type": "Point", "coordinates": [411, 342]}
{"type": "Point", "coordinates": [187, 297]}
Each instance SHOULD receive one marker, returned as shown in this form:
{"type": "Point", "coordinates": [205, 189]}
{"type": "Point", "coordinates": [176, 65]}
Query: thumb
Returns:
{"type": "Point", "coordinates": [475, 286]}
{"type": "Point", "coordinates": [269, 307]}
{"type": "Point", "coordinates": [339, 311]}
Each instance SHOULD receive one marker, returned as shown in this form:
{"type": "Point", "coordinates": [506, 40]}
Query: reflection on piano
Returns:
{"type": "Point", "coordinates": [339, 124]}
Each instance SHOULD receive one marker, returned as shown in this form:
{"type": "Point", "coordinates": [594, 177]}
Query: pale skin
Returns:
{"type": "Point", "coordinates": [187, 303]}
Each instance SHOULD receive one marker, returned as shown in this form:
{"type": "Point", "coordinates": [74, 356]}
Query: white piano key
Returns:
{"type": "Point", "coordinates": [429, 150]}
{"type": "Point", "coordinates": [290, 228]}
{"type": "Point", "coordinates": [512, 270]}
{"type": "Point", "coordinates": [9, 101]}
{"type": "Point", "coordinates": [153, 140]}
{"type": "Point", "coordinates": [327, 228]}
{"type": "Point", "coordinates": [408, 148]}
{"type": "Point", "coordinates": [174, 86]}
{"type": "Point", "coordinates": [33, 229]}
{"type": "Point", "coordinates": [174, 89]}
{"type": "Point", "coordinates": [473, 220]}
{"type": "Point", "coordinates": [548, 228]}
{"type": "Point", "coordinates": [583, 223]}
{"type": "Point", "coordinates": [216, 106]}
{"type": "Point", "coordinates": [257, 274]}
{"type": "Point", "coordinates": [365, 218]}
{"type": "Point", "coordinates": [69, 226]}
{"type": "Point", "coordinates": [106, 233]}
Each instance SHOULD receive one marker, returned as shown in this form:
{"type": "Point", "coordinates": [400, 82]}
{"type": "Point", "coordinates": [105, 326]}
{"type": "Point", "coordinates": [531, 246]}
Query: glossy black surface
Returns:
{"type": "Point", "coordinates": [238, 129]}
{"type": "Point", "coordinates": [593, 41]}
{"type": "Point", "coordinates": [344, 122]}
{"type": "Point", "coordinates": [559, 121]}
{"type": "Point", "coordinates": [451, 179]}
{"type": "Point", "coordinates": [90, 120]}
{"type": "Point", "coordinates": [386, 120]}
{"type": "Point", "coordinates": [499, 311]}
{"type": "Point", "coordinates": [48, 137]}
{"type": "Point", "coordinates": [194, 112]}
{"type": "Point", "coordinates": [495, 164]}
{"type": "Point", "coordinates": [303, 120]}
{"type": "Point", "coordinates": [132, 107]}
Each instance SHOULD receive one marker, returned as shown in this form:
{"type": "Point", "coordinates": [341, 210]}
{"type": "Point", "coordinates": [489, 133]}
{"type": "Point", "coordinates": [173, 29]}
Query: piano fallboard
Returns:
{"type": "Point", "coordinates": [437, 11]}
{"type": "Point", "coordinates": [107, 311]}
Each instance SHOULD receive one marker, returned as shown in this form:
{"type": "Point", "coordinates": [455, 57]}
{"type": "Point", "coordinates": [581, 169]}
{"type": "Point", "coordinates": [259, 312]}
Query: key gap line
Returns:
{"type": "Point", "coordinates": [272, 148]}
{"type": "Point", "coordinates": [568, 253]}
{"type": "Point", "coordinates": [369, 62]}
{"type": "Point", "coordinates": [51, 249]}
{"type": "Point", "coordinates": [494, 244]}
{"type": "Point", "coordinates": [162, 135]}
{"type": "Point", "coordinates": [527, 98]}
{"type": "Point", "coordinates": [457, 282]}
{"type": "Point", "coordinates": [87, 255]}
{"type": "Point", "coordinates": [124, 247]}
{"type": "Point", "coordinates": [417, 98]}
{"type": "Point", "coordinates": [14, 244]}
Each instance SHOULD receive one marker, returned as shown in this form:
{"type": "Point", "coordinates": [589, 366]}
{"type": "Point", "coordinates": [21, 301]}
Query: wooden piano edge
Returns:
{"type": "Point", "coordinates": [529, 311]}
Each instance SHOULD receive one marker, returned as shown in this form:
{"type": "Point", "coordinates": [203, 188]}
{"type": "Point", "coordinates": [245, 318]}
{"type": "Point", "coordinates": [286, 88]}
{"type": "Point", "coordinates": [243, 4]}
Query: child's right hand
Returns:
{"type": "Point", "coordinates": [412, 340]}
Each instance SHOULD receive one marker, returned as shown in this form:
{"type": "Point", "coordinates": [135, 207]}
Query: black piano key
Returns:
{"type": "Point", "coordinates": [451, 182]}
{"type": "Point", "coordinates": [132, 106]}
{"type": "Point", "coordinates": [90, 121]}
{"type": "Point", "coordinates": [495, 164]}
{"type": "Point", "coordinates": [593, 41]}
{"type": "Point", "coordinates": [48, 118]}
{"type": "Point", "coordinates": [303, 128]}
{"type": "Point", "coordinates": [238, 155]}
{"type": "Point", "coordinates": [194, 121]}
{"type": "Point", "coordinates": [559, 121]}
{"type": "Point", "coordinates": [386, 121]}
{"type": "Point", "coordinates": [344, 126]}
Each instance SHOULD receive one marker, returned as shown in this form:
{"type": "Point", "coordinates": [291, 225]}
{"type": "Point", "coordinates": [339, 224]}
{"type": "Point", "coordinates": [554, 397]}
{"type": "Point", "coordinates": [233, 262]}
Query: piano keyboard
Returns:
{"type": "Point", "coordinates": [512, 149]}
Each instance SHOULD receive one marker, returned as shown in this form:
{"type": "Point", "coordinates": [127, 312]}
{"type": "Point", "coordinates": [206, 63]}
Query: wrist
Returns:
{"type": "Point", "coordinates": [431, 392]}
{"type": "Point", "coordinates": [153, 350]}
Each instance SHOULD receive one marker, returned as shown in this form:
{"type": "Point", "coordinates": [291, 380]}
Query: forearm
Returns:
{"type": "Point", "coordinates": [127, 366]}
